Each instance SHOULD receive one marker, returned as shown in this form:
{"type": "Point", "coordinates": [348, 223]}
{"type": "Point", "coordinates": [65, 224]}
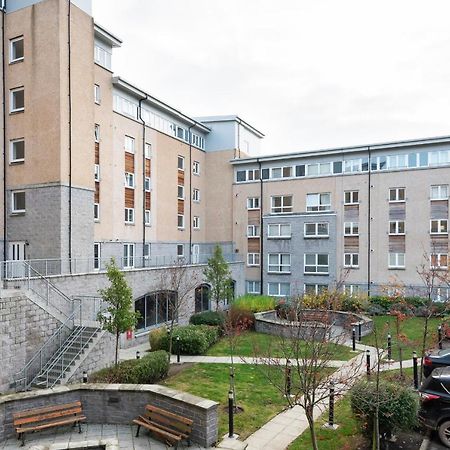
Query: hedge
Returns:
{"type": "Point", "coordinates": [213, 318]}
{"type": "Point", "coordinates": [194, 339]}
{"type": "Point", "coordinates": [151, 368]}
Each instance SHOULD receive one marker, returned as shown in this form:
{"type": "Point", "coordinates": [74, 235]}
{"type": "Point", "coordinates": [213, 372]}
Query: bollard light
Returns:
{"type": "Point", "coordinates": [359, 331]}
{"type": "Point", "coordinates": [389, 347]}
{"type": "Point", "coordinates": [368, 362]}
{"type": "Point", "coordinates": [331, 406]}
{"type": "Point", "coordinates": [354, 339]}
{"type": "Point", "coordinates": [85, 377]}
{"type": "Point", "coordinates": [230, 414]}
{"type": "Point", "coordinates": [288, 378]}
{"type": "Point", "coordinates": [415, 371]}
{"type": "Point", "coordinates": [440, 337]}
{"type": "Point", "coordinates": [138, 354]}
{"type": "Point", "coordinates": [178, 349]}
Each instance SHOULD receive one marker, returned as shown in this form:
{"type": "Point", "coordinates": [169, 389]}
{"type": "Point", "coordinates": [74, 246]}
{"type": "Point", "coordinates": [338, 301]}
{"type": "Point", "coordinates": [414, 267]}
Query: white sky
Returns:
{"type": "Point", "coordinates": [309, 74]}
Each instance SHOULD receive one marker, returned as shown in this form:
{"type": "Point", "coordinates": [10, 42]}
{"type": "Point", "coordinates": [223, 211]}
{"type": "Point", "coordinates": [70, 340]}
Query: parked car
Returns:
{"type": "Point", "coordinates": [434, 410]}
{"type": "Point", "coordinates": [438, 358]}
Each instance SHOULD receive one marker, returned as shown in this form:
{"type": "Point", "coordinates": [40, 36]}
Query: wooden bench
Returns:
{"type": "Point", "coordinates": [47, 417]}
{"type": "Point", "coordinates": [169, 427]}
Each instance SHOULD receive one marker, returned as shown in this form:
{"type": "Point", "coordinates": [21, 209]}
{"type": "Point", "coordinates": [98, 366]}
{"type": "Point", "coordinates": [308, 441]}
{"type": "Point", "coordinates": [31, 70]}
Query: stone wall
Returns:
{"type": "Point", "coordinates": [117, 404]}
{"type": "Point", "coordinates": [24, 327]}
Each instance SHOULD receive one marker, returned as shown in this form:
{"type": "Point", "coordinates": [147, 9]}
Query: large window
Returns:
{"type": "Point", "coordinates": [281, 204]}
{"type": "Point", "coordinates": [396, 261]}
{"type": "Point", "coordinates": [279, 289]}
{"type": "Point", "coordinates": [16, 50]}
{"type": "Point", "coordinates": [318, 202]}
{"type": "Point", "coordinates": [156, 308]}
{"type": "Point", "coordinates": [279, 263]}
{"type": "Point", "coordinates": [439, 192]}
{"type": "Point", "coordinates": [128, 256]}
{"type": "Point", "coordinates": [316, 230]}
{"type": "Point", "coordinates": [202, 298]}
{"type": "Point", "coordinates": [279, 231]}
{"type": "Point", "coordinates": [17, 150]}
{"type": "Point", "coordinates": [316, 263]}
{"type": "Point", "coordinates": [18, 202]}
{"type": "Point", "coordinates": [439, 226]}
{"type": "Point", "coordinates": [17, 100]}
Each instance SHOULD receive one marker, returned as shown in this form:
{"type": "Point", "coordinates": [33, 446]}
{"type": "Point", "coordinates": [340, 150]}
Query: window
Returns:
{"type": "Point", "coordinates": [253, 287]}
{"type": "Point", "coordinates": [146, 254]}
{"type": "Point", "coordinates": [351, 197]}
{"type": "Point", "coordinates": [265, 174]}
{"type": "Point", "coordinates": [300, 170]}
{"type": "Point", "coordinates": [351, 289]}
{"type": "Point", "coordinates": [279, 289]}
{"type": "Point", "coordinates": [241, 175]}
{"type": "Point", "coordinates": [102, 57]}
{"type": "Point", "coordinates": [202, 298]}
{"type": "Point", "coordinates": [129, 215]}
{"type": "Point", "coordinates": [439, 261]}
{"type": "Point", "coordinates": [396, 227]}
{"type": "Point", "coordinates": [147, 217]}
{"type": "Point", "coordinates": [180, 162]}
{"type": "Point", "coordinates": [279, 231]}
{"type": "Point", "coordinates": [180, 194]}
{"type": "Point", "coordinates": [315, 289]}
{"type": "Point", "coordinates": [129, 180]}
{"type": "Point", "coordinates": [287, 172]}
{"type": "Point", "coordinates": [316, 230]}
{"type": "Point", "coordinates": [439, 226]}
{"type": "Point", "coordinates": [196, 195]}
{"type": "Point", "coordinates": [96, 172]}
{"type": "Point", "coordinates": [253, 174]}
{"type": "Point", "coordinates": [352, 165]}
{"type": "Point", "coordinates": [148, 150]}
{"type": "Point", "coordinates": [97, 132]}
{"type": "Point", "coordinates": [252, 259]}
{"type": "Point", "coordinates": [439, 192]}
{"type": "Point", "coordinates": [97, 96]}
{"type": "Point", "coordinates": [351, 260]}
{"type": "Point", "coordinates": [147, 184]}
{"type": "Point", "coordinates": [180, 250]}
{"type": "Point", "coordinates": [128, 256]}
{"type": "Point", "coordinates": [318, 202]}
{"type": "Point", "coordinates": [129, 144]}
{"type": "Point", "coordinates": [97, 255]}
{"type": "Point", "coordinates": [279, 262]}
{"type": "Point", "coordinates": [253, 231]}
{"type": "Point", "coordinates": [17, 100]}
{"type": "Point", "coordinates": [319, 169]}
{"type": "Point", "coordinates": [275, 172]}
{"type": "Point", "coordinates": [316, 263]}
{"type": "Point", "coordinates": [18, 202]}
{"type": "Point", "coordinates": [438, 158]}
{"type": "Point", "coordinates": [196, 168]}
{"type": "Point", "coordinates": [16, 49]}
{"type": "Point", "coordinates": [17, 150]}
{"type": "Point", "coordinates": [96, 212]}
{"type": "Point", "coordinates": [196, 223]}
{"type": "Point", "coordinates": [396, 261]}
{"type": "Point", "coordinates": [351, 229]}
{"type": "Point", "coordinates": [281, 204]}
{"type": "Point", "coordinates": [397, 161]}
{"type": "Point", "coordinates": [180, 220]}
{"type": "Point", "coordinates": [253, 203]}
{"type": "Point", "coordinates": [156, 308]}
{"type": "Point", "coordinates": [396, 195]}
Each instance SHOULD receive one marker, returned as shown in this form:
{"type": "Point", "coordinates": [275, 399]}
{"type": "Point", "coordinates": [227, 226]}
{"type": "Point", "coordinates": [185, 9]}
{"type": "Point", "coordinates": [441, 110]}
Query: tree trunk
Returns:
{"type": "Point", "coordinates": [312, 428]}
{"type": "Point", "coordinates": [117, 348]}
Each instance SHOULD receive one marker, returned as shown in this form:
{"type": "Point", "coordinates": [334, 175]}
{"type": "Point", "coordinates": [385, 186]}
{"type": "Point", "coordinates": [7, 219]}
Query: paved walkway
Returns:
{"type": "Point", "coordinates": [118, 436]}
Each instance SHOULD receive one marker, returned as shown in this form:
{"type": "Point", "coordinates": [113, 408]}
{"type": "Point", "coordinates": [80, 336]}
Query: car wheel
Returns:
{"type": "Point", "coordinates": [444, 433]}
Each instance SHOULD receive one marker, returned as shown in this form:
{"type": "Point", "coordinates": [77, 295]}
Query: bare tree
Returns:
{"type": "Point", "coordinates": [180, 280]}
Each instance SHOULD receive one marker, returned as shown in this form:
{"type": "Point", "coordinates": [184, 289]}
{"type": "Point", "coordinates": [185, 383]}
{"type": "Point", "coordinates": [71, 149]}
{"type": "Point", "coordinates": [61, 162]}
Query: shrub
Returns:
{"type": "Point", "coordinates": [241, 319]}
{"type": "Point", "coordinates": [381, 301]}
{"type": "Point", "coordinates": [194, 339]}
{"type": "Point", "coordinates": [213, 318]}
{"type": "Point", "coordinates": [354, 304]}
{"type": "Point", "coordinates": [152, 368]}
{"type": "Point", "coordinates": [376, 310]}
{"type": "Point", "coordinates": [254, 303]}
{"type": "Point", "coordinates": [155, 338]}
{"type": "Point", "coordinates": [398, 407]}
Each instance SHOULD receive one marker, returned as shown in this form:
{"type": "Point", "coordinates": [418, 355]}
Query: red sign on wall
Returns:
{"type": "Point", "coordinates": [129, 334]}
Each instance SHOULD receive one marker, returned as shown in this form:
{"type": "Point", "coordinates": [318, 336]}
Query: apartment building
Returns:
{"type": "Point", "coordinates": [363, 217]}
{"type": "Point", "coordinates": [95, 167]}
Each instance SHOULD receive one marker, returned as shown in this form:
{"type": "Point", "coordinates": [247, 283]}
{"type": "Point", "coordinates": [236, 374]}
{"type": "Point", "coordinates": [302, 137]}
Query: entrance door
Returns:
{"type": "Point", "coordinates": [16, 267]}
{"type": "Point", "coordinates": [195, 254]}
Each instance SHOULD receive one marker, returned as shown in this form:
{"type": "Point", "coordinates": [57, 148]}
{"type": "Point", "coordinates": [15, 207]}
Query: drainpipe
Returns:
{"type": "Point", "coordinates": [143, 175]}
{"type": "Point", "coordinates": [190, 193]}
{"type": "Point", "coordinates": [69, 44]}
{"type": "Point", "coordinates": [369, 224]}
{"type": "Point", "coordinates": [261, 230]}
{"type": "Point", "coordinates": [5, 214]}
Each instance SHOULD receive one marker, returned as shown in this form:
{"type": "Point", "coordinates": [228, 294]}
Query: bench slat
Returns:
{"type": "Point", "coordinates": [45, 409]}
{"type": "Point", "coordinates": [165, 434]}
{"type": "Point", "coordinates": [165, 428]}
{"type": "Point", "coordinates": [175, 424]}
{"type": "Point", "coordinates": [169, 414]}
{"type": "Point", "coordinates": [51, 424]}
{"type": "Point", "coordinates": [51, 415]}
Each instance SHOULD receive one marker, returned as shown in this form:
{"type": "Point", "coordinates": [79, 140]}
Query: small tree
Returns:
{"type": "Point", "coordinates": [119, 315]}
{"type": "Point", "coordinates": [217, 274]}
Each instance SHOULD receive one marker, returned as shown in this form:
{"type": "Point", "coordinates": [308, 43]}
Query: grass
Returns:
{"type": "Point", "coordinates": [260, 400]}
{"type": "Point", "coordinates": [411, 329]}
{"type": "Point", "coordinates": [259, 344]}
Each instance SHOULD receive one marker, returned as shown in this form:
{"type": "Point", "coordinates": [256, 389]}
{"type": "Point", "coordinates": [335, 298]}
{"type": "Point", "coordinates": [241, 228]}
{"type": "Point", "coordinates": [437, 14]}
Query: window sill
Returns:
{"type": "Point", "coordinates": [351, 204]}
{"type": "Point", "coordinates": [439, 234]}
{"type": "Point", "coordinates": [253, 237]}
{"type": "Point", "coordinates": [18, 213]}
{"type": "Point", "coordinates": [17, 162]}
{"type": "Point", "coordinates": [351, 267]}
{"type": "Point", "coordinates": [129, 223]}
{"type": "Point", "coordinates": [316, 237]}
{"type": "Point", "coordinates": [351, 235]}
{"type": "Point", "coordinates": [16, 111]}
{"type": "Point", "coordinates": [16, 61]}
{"type": "Point", "coordinates": [97, 220]}
{"type": "Point", "coordinates": [181, 228]}
{"type": "Point", "coordinates": [316, 273]}
{"type": "Point", "coordinates": [396, 268]}
{"type": "Point", "coordinates": [397, 201]}
{"type": "Point", "coordinates": [269, 272]}
{"type": "Point", "coordinates": [252, 265]}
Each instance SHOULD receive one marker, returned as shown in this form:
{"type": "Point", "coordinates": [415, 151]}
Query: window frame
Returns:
{"type": "Point", "coordinates": [97, 94]}
{"type": "Point", "coordinates": [316, 228]}
{"type": "Point", "coordinates": [129, 180]}
{"type": "Point", "coordinates": [282, 206]}
{"type": "Point", "coordinates": [129, 257]}
{"type": "Point", "coordinates": [351, 198]}
{"type": "Point", "coordinates": [255, 228]}
{"type": "Point", "coordinates": [148, 150]}
{"type": "Point", "coordinates": [196, 168]}
{"type": "Point", "coordinates": [97, 259]}
{"type": "Point", "coordinates": [11, 49]}
{"type": "Point", "coordinates": [438, 257]}
{"type": "Point", "coordinates": [253, 200]}
{"type": "Point", "coordinates": [12, 159]}
{"type": "Point", "coordinates": [97, 133]}
{"type": "Point", "coordinates": [279, 235]}
{"type": "Point", "coordinates": [397, 192]}
{"type": "Point", "coordinates": [318, 206]}
{"type": "Point", "coordinates": [132, 141]}
{"type": "Point", "coordinates": [279, 266]}
{"type": "Point", "coordinates": [439, 225]}
{"type": "Point", "coordinates": [182, 226]}
{"type": "Point", "coordinates": [316, 264]}
{"type": "Point", "coordinates": [196, 223]}
{"type": "Point", "coordinates": [253, 257]}
{"type": "Point", "coordinates": [97, 172]}
{"type": "Point", "coordinates": [13, 202]}
{"type": "Point", "coordinates": [196, 195]}
{"type": "Point", "coordinates": [11, 100]}
{"type": "Point", "coordinates": [180, 159]}
{"type": "Point", "coordinates": [147, 217]}
{"type": "Point", "coordinates": [180, 246]}
{"type": "Point", "coordinates": [129, 213]}
{"type": "Point", "coordinates": [354, 229]}
{"type": "Point", "coordinates": [279, 293]}
{"type": "Point", "coordinates": [396, 231]}
{"type": "Point", "coordinates": [254, 284]}
{"type": "Point", "coordinates": [351, 264]}
{"type": "Point", "coordinates": [180, 187]}
{"type": "Point", "coordinates": [96, 212]}
{"type": "Point", "coordinates": [440, 189]}
{"type": "Point", "coordinates": [147, 184]}
{"type": "Point", "coordinates": [396, 264]}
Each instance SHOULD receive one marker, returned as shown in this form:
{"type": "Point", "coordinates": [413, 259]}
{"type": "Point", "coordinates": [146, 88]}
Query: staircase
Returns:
{"type": "Point", "coordinates": [65, 359]}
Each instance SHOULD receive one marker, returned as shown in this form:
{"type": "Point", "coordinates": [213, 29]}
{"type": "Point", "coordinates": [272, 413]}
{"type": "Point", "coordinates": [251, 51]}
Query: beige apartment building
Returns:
{"type": "Point", "coordinates": [96, 167]}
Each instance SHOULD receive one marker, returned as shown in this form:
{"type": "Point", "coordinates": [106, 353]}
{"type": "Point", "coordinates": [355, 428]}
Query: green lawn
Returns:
{"type": "Point", "coordinates": [411, 328]}
{"type": "Point", "coordinates": [261, 401]}
{"type": "Point", "coordinates": [260, 344]}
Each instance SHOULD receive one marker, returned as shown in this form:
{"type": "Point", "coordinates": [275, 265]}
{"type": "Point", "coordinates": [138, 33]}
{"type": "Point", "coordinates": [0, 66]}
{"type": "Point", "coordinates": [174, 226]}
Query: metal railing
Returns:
{"type": "Point", "coordinates": [12, 270]}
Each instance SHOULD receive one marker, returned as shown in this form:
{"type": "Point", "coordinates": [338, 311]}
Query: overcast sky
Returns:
{"type": "Point", "coordinates": [309, 74]}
